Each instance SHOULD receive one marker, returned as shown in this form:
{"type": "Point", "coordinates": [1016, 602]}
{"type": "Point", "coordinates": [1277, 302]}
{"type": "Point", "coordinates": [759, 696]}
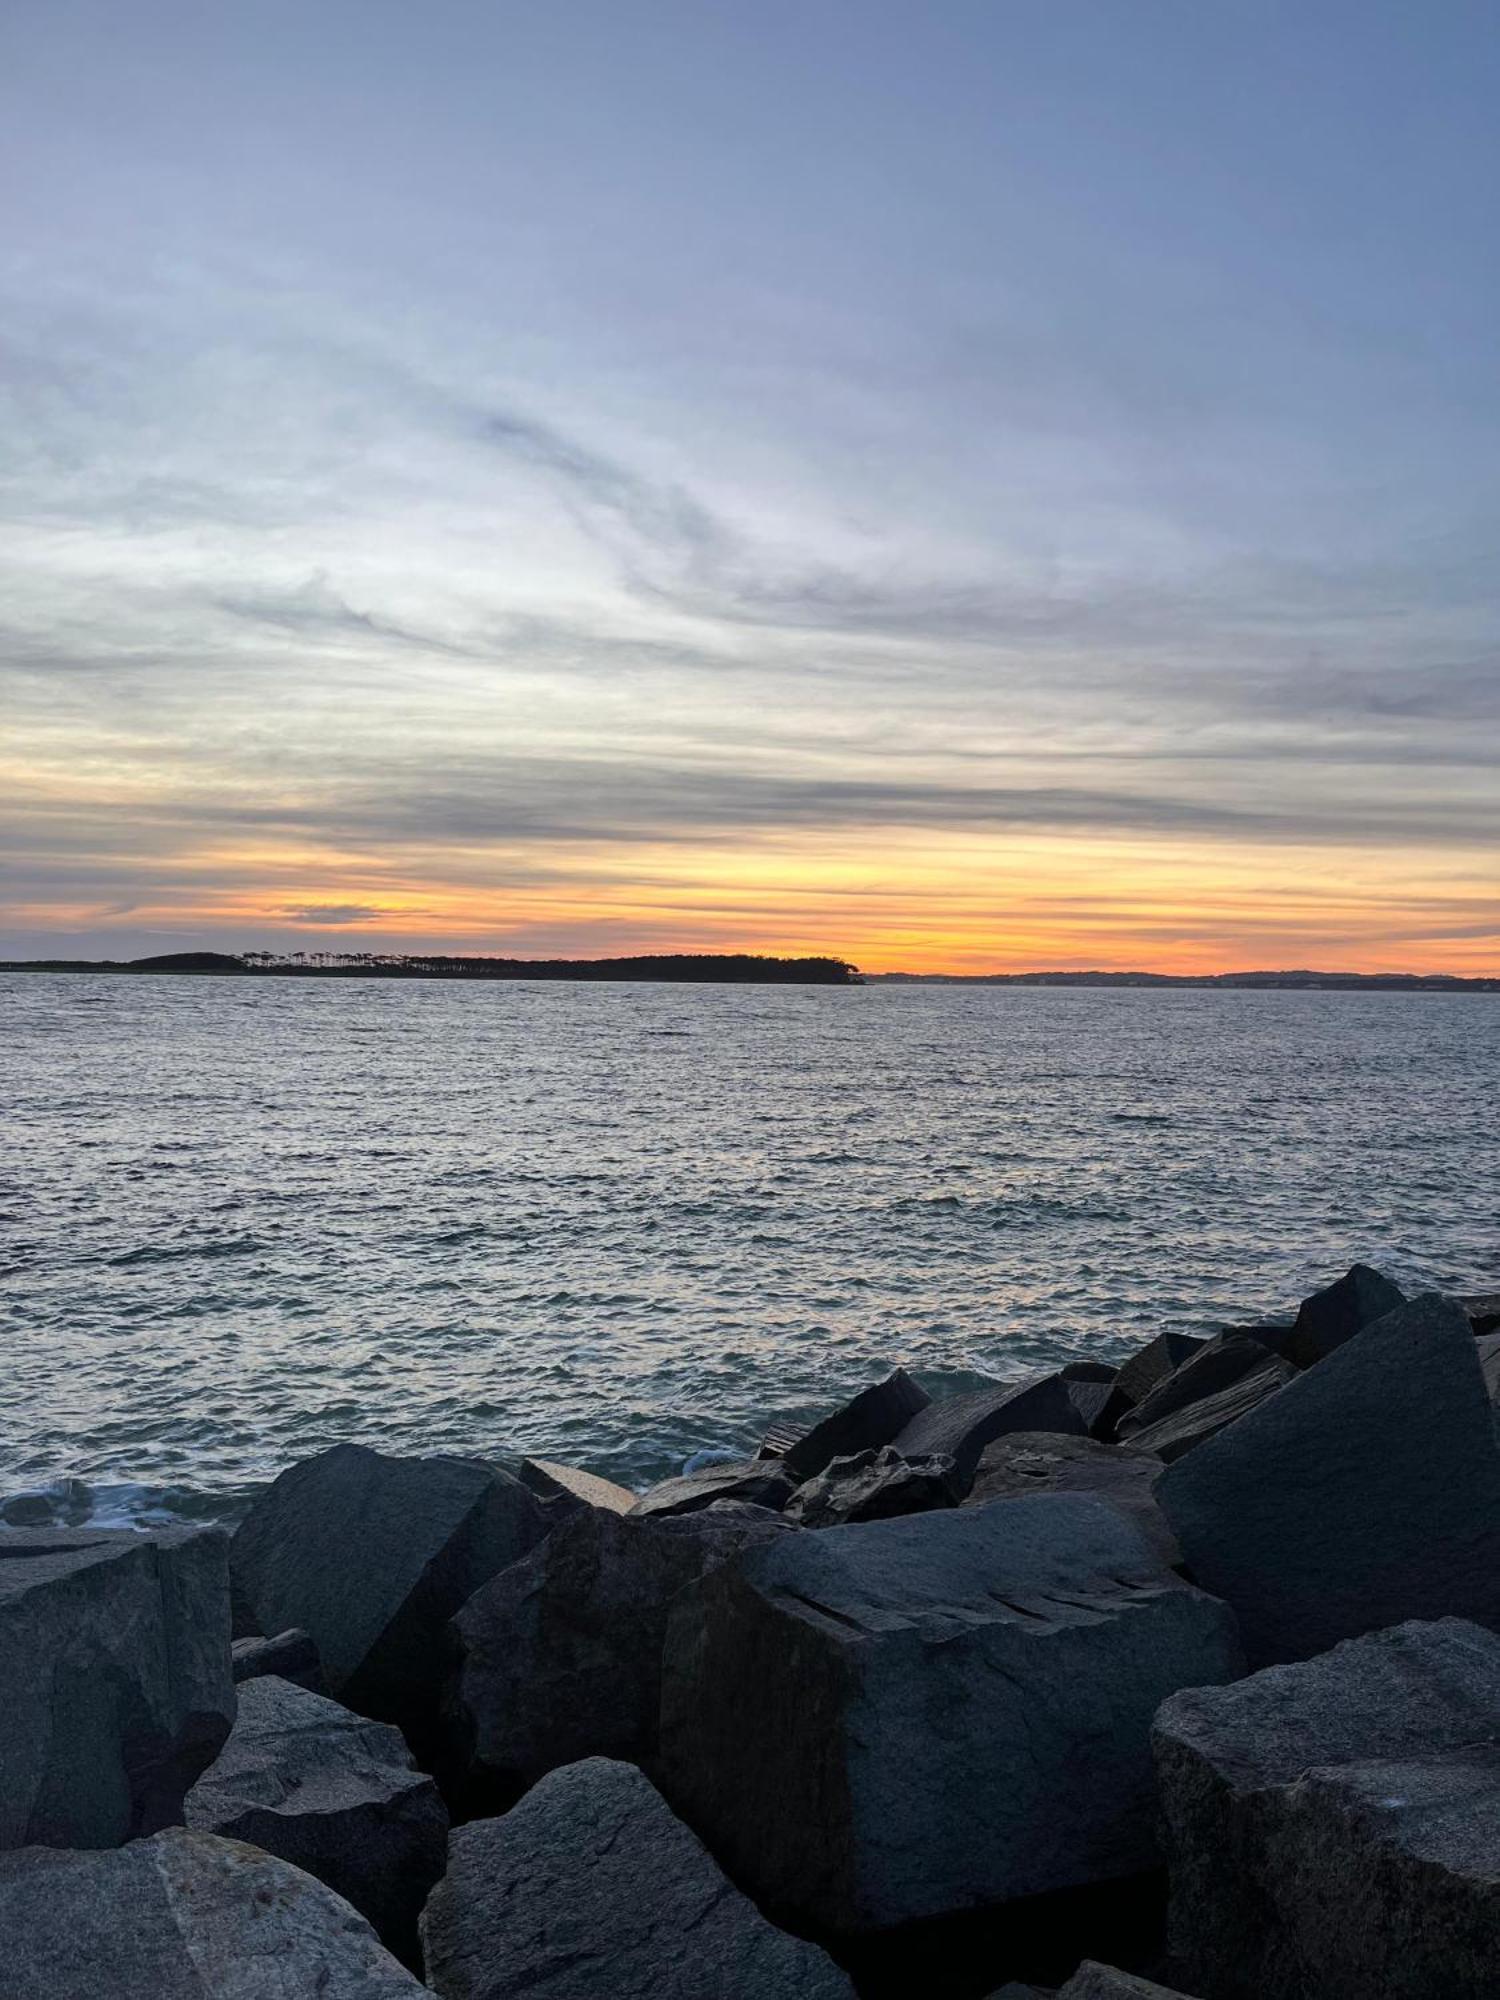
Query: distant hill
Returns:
{"type": "Point", "coordinates": [696, 968]}
{"type": "Point", "coordinates": [1392, 982]}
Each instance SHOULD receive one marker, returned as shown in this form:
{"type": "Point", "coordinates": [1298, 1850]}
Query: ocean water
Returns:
{"type": "Point", "coordinates": [621, 1224]}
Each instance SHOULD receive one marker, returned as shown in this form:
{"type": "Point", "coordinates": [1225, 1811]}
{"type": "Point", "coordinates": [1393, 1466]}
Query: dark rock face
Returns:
{"type": "Point", "coordinates": [1488, 1349]}
{"type": "Point", "coordinates": [1153, 1363]}
{"type": "Point", "coordinates": [291, 1656]}
{"type": "Point", "coordinates": [1366, 1492]}
{"type": "Point", "coordinates": [590, 1887]}
{"type": "Point", "coordinates": [1481, 1310]}
{"type": "Point", "coordinates": [333, 1794]}
{"type": "Point", "coordinates": [1032, 1462]}
{"type": "Point", "coordinates": [959, 1427]}
{"type": "Point", "coordinates": [1216, 1366]}
{"type": "Point", "coordinates": [759, 1482]}
{"type": "Point", "coordinates": [874, 1417]}
{"type": "Point", "coordinates": [115, 1687]}
{"type": "Point", "coordinates": [1330, 1317]}
{"type": "Point", "coordinates": [550, 1481]}
{"type": "Point", "coordinates": [1331, 1826]}
{"type": "Point", "coordinates": [183, 1916]}
{"type": "Point", "coordinates": [874, 1486]}
{"type": "Point", "coordinates": [1182, 1429]}
{"type": "Point", "coordinates": [561, 1653]}
{"type": "Point", "coordinates": [1103, 1982]}
{"type": "Point", "coordinates": [909, 1718]}
{"type": "Point", "coordinates": [372, 1556]}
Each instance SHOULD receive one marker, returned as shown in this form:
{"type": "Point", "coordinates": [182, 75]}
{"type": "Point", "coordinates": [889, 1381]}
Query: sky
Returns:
{"type": "Point", "coordinates": [960, 486]}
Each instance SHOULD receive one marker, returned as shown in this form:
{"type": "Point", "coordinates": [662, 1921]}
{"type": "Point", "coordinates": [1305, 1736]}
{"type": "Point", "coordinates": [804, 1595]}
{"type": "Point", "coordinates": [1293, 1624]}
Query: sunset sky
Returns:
{"type": "Point", "coordinates": [957, 485]}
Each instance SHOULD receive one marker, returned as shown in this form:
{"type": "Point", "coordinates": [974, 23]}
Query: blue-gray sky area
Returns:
{"type": "Point", "coordinates": [952, 484]}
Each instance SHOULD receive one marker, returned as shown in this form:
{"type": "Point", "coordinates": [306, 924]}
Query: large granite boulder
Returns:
{"type": "Point", "coordinates": [183, 1916]}
{"type": "Point", "coordinates": [874, 1486]}
{"type": "Point", "coordinates": [372, 1556]}
{"type": "Point", "coordinates": [914, 1717]}
{"type": "Point", "coordinates": [332, 1793]}
{"type": "Point", "coordinates": [566, 1487]}
{"type": "Point", "coordinates": [1214, 1367]}
{"type": "Point", "coordinates": [1364, 1493]}
{"type": "Point", "coordinates": [590, 1889]}
{"type": "Point", "coordinates": [291, 1656]}
{"type": "Point", "coordinates": [115, 1684]}
{"type": "Point", "coordinates": [1191, 1423]}
{"type": "Point", "coordinates": [1042, 1462]}
{"type": "Point", "coordinates": [561, 1653]}
{"type": "Point", "coordinates": [1330, 1317]}
{"type": "Point", "coordinates": [755, 1482]}
{"type": "Point", "coordinates": [1153, 1363]}
{"type": "Point", "coordinates": [1333, 1827]}
{"type": "Point", "coordinates": [867, 1421]}
{"type": "Point", "coordinates": [959, 1427]}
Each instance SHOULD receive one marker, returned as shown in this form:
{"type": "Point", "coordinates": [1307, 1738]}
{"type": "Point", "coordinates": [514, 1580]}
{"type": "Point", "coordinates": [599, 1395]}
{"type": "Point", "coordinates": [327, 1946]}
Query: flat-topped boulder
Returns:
{"type": "Point", "coordinates": [757, 1482]}
{"type": "Point", "coordinates": [561, 1653]}
{"type": "Point", "coordinates": [590, 1889]}
{"type": "Point", "coordinates": [959, 1427]}
{"type": "Point", "coordinates": [1333, 1827]}
{"type": "Point", "coordinates": [1191, 1422]}
{"type": "Point", "coordinates": [868, 1420]}
{"type": "Point", "coordinates": [550, 1481]}
{"type": "Point", "coordinates": [1330, 1317]}
{"type": "Point", "coordinates": [115, 1683]}
{"type": "Point", "coordinates": [334, 1794]}
{"type": "Point", "coordinates": [914, 1717]}
{"type": "Point", "coordinates": [184, 1916]}
{"type": "Point", "coordinates": [1363, 1493]}
{"type": "Point", "coordinates": [371, 1556]}
{"type": "Point", "coordinates": [1044, 1462]}
{"type": "Point", "coordinates": [874, 1486]}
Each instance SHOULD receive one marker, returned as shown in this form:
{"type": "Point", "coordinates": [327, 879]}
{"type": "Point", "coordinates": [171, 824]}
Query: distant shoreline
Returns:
{"type": "Point", "coordinates": [727, 968]}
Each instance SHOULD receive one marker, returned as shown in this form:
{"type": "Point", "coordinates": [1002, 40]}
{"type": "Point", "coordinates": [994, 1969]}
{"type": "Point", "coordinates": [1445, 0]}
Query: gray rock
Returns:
{"type": "Point", "coordinates": [291, 1656]}
{"type": "Point", "coordinates": [1215, 1366]}
{"type": "Point", "coordinates": [183, 1916]}
{"type": "Point", "coordinates": [959, 1427]}
{"type": "Point", "coordinates": [1330, 1317]}
{"type": "Point", "coordinates": [1151, 1364]}
{"type": "Point", "coordinates": [915, 1717]}
{"type": "Point", "coordinates": [1481, 1310]}
{"type": "Point", "coordinates": [1191, 1424]}
{"type": "Point", "coordinates": [1103, 1982]}
{"type": "Point", "coordinates": [550, 1481]}
{"type": "Point", "coordinates": [333, 1794]}
{"type": "Point", "coordinates": [1332, 1827]}
{"type": "Point", "coordinates": [874, 1486]}
{"type": "Point", "coordinates": [115, 1687]}
{"type": "Point", "coordinates": [561, 1653]}
{"type": "Point", "coordinates": [1031, 1462]}
{"type": "Point", "coordinates": [590, 1889]}
{"type": "Point", "coordinates": [1364, 1493]}
{"type": "Point", "coordinates": [1487, 1347]}
{"type": "Point", "coordinates": [761, 1482]}
{"type": "Point", "coordinates": [372, 1556]}
{"type": "Point", "coordinates": [874, 1417]}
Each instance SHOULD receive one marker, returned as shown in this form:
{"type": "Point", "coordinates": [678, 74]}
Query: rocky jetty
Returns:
{"type": "Point", "coordinates": [1178, 1678]}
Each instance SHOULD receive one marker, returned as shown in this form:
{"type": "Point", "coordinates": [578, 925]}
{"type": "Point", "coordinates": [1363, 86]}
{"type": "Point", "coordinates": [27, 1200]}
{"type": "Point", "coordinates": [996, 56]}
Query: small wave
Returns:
{"type": "Point", "coordinates": [1141, 1118]}
{"type": "Point", "coordinates": [124, 1503]}
{"type": "Point", "coordinates": [170, 1253]}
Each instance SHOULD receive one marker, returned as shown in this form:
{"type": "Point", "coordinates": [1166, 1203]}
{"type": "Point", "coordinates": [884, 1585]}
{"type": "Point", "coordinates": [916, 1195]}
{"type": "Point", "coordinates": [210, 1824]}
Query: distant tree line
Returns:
{"type": "Point", "coordinates": [700, 968]}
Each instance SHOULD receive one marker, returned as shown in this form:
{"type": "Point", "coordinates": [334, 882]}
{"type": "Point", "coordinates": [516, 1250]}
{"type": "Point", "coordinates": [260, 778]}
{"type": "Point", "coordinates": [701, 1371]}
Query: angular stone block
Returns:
{"type": "Point", "coordinates": [1104, 1982]}
{"type": "Point", "coordinates": [874, 1486]}
{"type": "Point", "coordinates": [115, 1684]}
{"type": "Point", "coordinates": [1153, 1363]}
{"type": "Point", "coordinates": [1333, 1827]}
{"type": "Point", "coordinates": [291, 1656]}
{"type": "Point", "coordinates": [1041, 1462]}
{"type": "Point", "coordinates": [590, 1889]}
{"type": "Point", "coordinates": [1216, 1366]}
{"type": "Point", "coordinates": [332, 1793]}
{"type": "Point", "coordinates": [550, 1481]}
{"type": "Point", "coordinates": [914, 1717]}
{"type": "Point", "coordinates": [959, 1427]}
{"type": "Point", "coordinates": [1363, 1493]}
{"type": "Point", "coordinates": [759, 1482]}
{"type": "Point", "coordinates": [1182, 1429]}
{"type": "Point", "coordinates": [183, 1916]}
{"type": "Point", "coordinates": [1330, 1317]}
{"type": "Point", "coordinates": [867, 1421]}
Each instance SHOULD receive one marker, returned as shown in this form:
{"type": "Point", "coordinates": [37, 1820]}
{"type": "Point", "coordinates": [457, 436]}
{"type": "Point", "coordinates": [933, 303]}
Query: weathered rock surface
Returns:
{"type": "Point", "coordinates": [1481, 1310]}
{"type": "Point", "coordinates": [1191, 1424]}
{"type": "Point", "coordinates": [874, 1417]}
{"type": "Point", "coordinates": [115, 1686]}
{"type": "Point", "coordinates": [1330, 1317]}
{"type": "Point", "coordinates": [874, 1486]}
{"type": "Point", "coordinates": [1103, 1982]}
{"type": "Point", "coordinates": [550, 1481]}
{"type": "Point", "coordinates": [1487, 1347]}
{"type": "Point", "coordinates": [291, 1656]}
{"type": "Point", "coordinates": [183, 1916]}
{"type": "Point", "coordinates": [759, 1482]}
{"type": "Point", "coordinates": [561, 1653]}
{"type": "Point", "coordinates": [959, 1427]}
{"type": "Point", "coordinates": [1364, 1493]}
{"type": "Point", "coordinates": [1334, 1827]}
{"type": "Point", "coordinates": [332, 1793]}
{"type": "Point", "coordinates": [1216, 1366]}
{"type": "Point", "coordinates": [590, 1889]}
{"type": "Point", "coordinates": [1030, 1462]}
{"type": "Point", "coordinates": [372, 1556]}
{"type": "Point", "coordinates": [1153, 1363]}
{"type": "Point", "coordinates": [911, 1717]}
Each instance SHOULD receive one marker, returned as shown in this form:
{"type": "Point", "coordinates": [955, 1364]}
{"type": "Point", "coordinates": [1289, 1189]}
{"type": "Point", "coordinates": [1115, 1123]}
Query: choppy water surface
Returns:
{"type": "Point", "coordinates": [620, 1223]}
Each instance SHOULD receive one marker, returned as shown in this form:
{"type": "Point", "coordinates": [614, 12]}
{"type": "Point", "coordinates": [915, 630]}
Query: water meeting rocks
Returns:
{"type": "Point", "coordinates": [1330, 1317]}
{"type": "Point", "coordinates": [1032, 1462]}
{"type": "Point", "coordinates": [1332, 1827]}
{"type": "Point", "coordinates": [332, 1793]}
{"type": "Point", "coordinates": [914, 1717]}
{"type": "Point", "coordinates": [183, 1916]}
{"type": "Point", "coordinates": [561, 1653]}
{"type": "Point", "coordinates": [758, 1482]}
{"type": "Point", "coordinates": [1364, 1493]}
{"type": "Point", "coordinates": [115, 1685]}
{"type": "Point", "coordinates": [590, 1889]}
{"type": "Point", "coordinates": [874, 1486]}
{"type": "Point", "coordinates": [371, 1556]}
{"type": "Point", "coordinates": [959, 1427]}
